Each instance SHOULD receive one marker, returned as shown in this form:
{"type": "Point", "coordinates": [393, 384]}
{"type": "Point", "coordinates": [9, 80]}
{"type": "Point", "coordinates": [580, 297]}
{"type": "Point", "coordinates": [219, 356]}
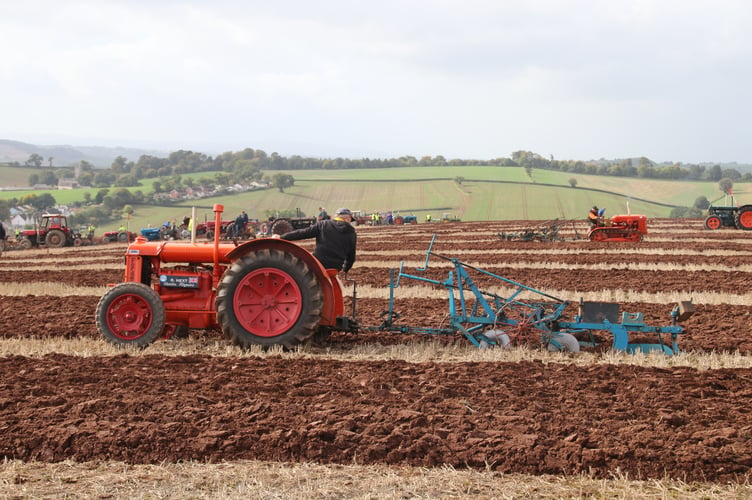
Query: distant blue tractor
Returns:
{"type": "Point", "coordinates": [405, 219]}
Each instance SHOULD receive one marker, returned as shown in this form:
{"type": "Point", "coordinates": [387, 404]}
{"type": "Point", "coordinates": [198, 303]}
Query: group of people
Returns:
{"type": "Point", "coordinates": [241, 221]}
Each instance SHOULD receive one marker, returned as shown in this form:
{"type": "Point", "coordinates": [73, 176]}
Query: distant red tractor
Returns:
{"type": "Point", "coordinates": [629, 228]}
{"type": "Point", "coordinates": [52, 231]}
{"type": "Point", "coordinates": [228, 230]}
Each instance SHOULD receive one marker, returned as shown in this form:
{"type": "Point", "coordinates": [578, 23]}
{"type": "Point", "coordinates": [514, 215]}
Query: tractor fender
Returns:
{"type": "Point", "coordinates": [330, 286]}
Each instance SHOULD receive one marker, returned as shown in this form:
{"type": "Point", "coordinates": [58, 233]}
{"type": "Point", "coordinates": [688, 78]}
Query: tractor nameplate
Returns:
{"type": "Point", "coordinates": [178, 281]}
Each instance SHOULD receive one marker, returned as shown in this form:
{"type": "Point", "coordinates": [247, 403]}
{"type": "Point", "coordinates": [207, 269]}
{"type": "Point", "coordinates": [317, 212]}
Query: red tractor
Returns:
{"type": "Point", "coordinates": [262, 292]}
{"type": "Point", "coordinates": [52, 231]}
{"type": "Point", "coordinates": [620, 228]}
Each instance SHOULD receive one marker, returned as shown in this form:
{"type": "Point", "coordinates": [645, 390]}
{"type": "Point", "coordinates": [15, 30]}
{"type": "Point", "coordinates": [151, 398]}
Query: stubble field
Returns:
{"type": "Point", "coordinates": [400, 402]}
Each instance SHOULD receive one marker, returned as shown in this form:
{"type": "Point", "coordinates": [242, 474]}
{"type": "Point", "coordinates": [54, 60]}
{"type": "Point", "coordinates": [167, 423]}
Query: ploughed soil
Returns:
{"type": "Point", "coordinates": [529, 416]}
{"type": "Point", "coordinates": [513, 417]}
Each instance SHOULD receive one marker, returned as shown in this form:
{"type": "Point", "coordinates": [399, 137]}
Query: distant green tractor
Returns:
{"type": "Point", "coordinates": [736, 217]}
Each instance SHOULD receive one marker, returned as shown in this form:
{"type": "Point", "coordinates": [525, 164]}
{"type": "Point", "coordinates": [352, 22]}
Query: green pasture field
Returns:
{"type": "Point", "coordinates": [469, 201]}
{"type": "Point", "coordinates": [16, 176]}
{"type": "Point", "coordinates": [487, 193]}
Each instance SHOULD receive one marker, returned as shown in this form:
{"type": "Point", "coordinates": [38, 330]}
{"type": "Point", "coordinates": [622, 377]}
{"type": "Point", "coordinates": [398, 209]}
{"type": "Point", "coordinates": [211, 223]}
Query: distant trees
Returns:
{"type": "Point", "coordinates": [282, 181]}
{"type": "Point", "coordinates": [35, 160]}
{"type": "Point", "coordinates": [41, 202]}
{"type": "Point", "coordinates": [715, 173]}
{"type": "Point", "coordinates": [4, 210]}
{"type": "Point", "coordinates": [725, 185]}
{"type": "Point", "coordinates": [701, 203]}
{"type": "Point", "coordinates": [47, 177]}
{"type": "Point", "coordinates": [573, 182]}
{"type": "Point", "coordinates": [685, 212]}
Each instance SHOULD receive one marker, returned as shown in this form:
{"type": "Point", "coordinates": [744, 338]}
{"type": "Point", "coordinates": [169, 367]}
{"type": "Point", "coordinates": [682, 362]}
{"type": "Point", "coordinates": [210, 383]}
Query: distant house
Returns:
{"type": "Point", "coordinates": [68, 184]}
{"type": "Point", "coordinates": [19, 221]}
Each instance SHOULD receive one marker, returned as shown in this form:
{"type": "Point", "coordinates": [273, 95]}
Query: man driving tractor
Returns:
{"type": "Point", "coordinates": [595, 217]}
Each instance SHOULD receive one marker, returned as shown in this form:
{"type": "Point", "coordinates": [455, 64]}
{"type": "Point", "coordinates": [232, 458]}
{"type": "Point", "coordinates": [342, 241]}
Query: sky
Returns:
{"type": "Point", "coordinates": [670, 80]}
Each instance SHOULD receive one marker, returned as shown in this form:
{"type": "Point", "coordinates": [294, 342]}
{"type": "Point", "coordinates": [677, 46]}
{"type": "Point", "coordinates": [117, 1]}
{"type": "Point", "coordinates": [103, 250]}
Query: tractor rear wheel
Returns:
{"type": "Point", "coordinates": [399, 220]}
{"type": "Point", "coordinates": [743, 218]}
{"type": "Point", "coordinates": [55, 238]}
{"type": "Point", "coordinates": [267, 298]}
{"type": "Point", "coordinates": [122, 237]}
{"type": "Point", "coordinates": [281, 226]}
{"type": "Point", "coordinates": [712, 222]}
{"type": "Point", "coordinates": [130, 314]}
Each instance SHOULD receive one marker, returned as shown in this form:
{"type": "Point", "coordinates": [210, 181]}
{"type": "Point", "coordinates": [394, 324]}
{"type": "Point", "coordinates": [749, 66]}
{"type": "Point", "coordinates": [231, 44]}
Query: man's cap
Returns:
{"type": "Point", "coordinates": [343, 211]}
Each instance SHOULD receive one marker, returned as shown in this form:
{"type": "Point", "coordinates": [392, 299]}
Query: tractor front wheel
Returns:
{"type": "Point", "coordinates": [269, 298]}
{"type": "Point", "coordinates": [712, 222]}
{"type": "Point", "coordinates": [26, 243]}
{"type": "Point", "coordinates": [743, 218]}
{"type": "Point", "coordinates": [55, 238]}
{"type": "Point", "coordinates": [130, 314]}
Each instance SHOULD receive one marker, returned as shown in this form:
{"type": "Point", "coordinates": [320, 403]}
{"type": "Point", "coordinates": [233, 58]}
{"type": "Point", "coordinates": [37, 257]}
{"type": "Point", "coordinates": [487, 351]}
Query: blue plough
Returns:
{"type": "Point", "coordinates": [487, 318]}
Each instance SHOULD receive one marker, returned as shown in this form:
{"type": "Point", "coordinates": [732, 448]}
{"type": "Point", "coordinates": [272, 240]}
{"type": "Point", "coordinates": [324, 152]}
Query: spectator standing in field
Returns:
{"type": "Point", "coordinates": [322, 214]}
{"type": "Point", "coordinates": [335, 240]}
{"type": "Point", "coordinates": [3, 235]}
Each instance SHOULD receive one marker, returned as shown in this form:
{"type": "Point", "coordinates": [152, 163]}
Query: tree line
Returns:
{"type": "Point", "coordinates": [249, 163]}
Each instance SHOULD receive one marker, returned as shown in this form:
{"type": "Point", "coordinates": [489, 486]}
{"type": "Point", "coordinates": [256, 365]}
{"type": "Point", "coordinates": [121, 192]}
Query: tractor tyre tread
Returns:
{"type": "Point", "coordinates": [281, 226]}
{"type": "Point", "coordinates": [55, 238]}
{"type": "Point", "coordinates": [307, 322]}
{"type": "Point", "coordinates": [743, 218]}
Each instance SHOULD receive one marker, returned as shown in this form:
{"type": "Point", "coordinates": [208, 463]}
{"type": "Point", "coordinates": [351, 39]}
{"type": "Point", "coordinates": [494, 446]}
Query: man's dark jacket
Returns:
{"type": "Point", "coordinates": [335, 242]}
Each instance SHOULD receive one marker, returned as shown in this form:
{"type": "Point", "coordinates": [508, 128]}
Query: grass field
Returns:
{"type": "Point", "coordinates": [487, 193]}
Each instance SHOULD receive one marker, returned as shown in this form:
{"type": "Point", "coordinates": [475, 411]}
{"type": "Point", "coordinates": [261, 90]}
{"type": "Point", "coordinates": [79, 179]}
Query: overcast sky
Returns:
{"type": "Point", "coordinates": [572, 79]}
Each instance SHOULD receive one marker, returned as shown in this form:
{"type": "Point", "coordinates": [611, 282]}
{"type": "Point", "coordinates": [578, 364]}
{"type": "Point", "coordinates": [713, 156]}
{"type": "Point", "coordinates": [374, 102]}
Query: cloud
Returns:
{"type": "Point", "coordinates": [474, 79]}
